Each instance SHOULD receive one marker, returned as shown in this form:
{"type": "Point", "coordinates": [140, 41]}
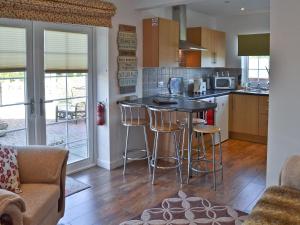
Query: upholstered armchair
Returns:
{"type": "Point", "coordinates": [280, 204]}
{"type": "Point", "coordinates": [42, 175]}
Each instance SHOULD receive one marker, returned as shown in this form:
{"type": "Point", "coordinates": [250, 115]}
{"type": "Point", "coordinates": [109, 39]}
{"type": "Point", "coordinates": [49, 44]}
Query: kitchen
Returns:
{"type": "Point", "coordinates": [185, 66]}
{"type": "Point", "coordinates": [202, 73]}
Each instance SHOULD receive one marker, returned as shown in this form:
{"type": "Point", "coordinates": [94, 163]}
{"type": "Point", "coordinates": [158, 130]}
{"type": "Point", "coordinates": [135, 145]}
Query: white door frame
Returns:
{"type": "Point", "coordinates": [39, 28]}
{"type": "Point", "coordinates": [29, 85]}
{"type": "Point", "coordinates": [35, 82]}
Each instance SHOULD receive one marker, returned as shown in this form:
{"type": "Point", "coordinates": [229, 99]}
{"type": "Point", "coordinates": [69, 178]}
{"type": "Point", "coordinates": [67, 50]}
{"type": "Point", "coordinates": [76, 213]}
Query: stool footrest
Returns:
{"type": "Point", "coordinates": [131, 157]}
{"type": "Point", "coordinates": [167, 167]}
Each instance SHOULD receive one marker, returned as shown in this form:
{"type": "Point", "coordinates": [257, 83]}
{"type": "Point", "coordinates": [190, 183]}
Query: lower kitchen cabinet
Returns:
{"type": "Point", "coordinates": [248, 117]}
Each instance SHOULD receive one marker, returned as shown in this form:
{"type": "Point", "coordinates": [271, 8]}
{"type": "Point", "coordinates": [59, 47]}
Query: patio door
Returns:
{"type": "Point", "coordinates": [65, 89]}
{"type": "Point", "coordinates": [17, 118]}
{"type": "Point", "coordinates": [46, 87]}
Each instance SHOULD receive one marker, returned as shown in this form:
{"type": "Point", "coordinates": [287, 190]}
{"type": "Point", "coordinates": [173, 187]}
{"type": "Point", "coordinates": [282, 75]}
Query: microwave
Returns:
{"type": "Point", "coordinates": [224, 83]}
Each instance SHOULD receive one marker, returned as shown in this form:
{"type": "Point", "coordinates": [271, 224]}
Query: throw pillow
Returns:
{"type": "Point", "coordinates": [9, 170]}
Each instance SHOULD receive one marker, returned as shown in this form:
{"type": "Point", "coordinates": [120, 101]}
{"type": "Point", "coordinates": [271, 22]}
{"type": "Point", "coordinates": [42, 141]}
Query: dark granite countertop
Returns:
{"type": "Point", "coordinates": [182, 104]}
{"type": "Point", "coordinates": [251, 92]}
{"type": "Point", "coordinates": [216, 93]}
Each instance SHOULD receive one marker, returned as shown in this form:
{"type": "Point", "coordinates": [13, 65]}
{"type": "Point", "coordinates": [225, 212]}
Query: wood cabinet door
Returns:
{"type": "Point", "coordinates": [263, 106]}
{"type": "Point", "coordinates": [244, 114]}
{"type": "Point", "coordinates": [207, 42]}
{"type": "Point", "coordinates": [219, 52]}
{"type": "Point", "coordinates": [150, 42]}
{"type": "Point", "coordinates": [168, 43]}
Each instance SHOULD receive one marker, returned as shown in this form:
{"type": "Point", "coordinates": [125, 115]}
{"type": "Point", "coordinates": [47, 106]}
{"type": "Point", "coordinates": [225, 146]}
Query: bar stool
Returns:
{"type": "Point", "coordinates": [131, 117]}
{"type": "Point", "coordinates": [162, 122]}
{"type": "Point", "coordinates": [196, 121]}
{"type": "Point", "coordinates": [217, 165]}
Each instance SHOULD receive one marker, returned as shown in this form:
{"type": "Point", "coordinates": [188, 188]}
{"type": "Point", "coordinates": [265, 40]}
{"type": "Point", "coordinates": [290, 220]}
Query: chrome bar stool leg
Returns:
{"type": "Point", "coordinates": [221, 155]}
{"type": "Point", "coordinates": [177, 154]}
{"type": "Point", "coordinates": [126, 150]}
{"type": "Point", "coordinates": [155, 157]}
{"type": "Point", "coordinates": [214, 161]}
{"type": "Point", "coordinates": [147, 150]}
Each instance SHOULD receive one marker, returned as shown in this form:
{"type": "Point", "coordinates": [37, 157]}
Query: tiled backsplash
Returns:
{"type": "Point", "coordinates": [155, 80]}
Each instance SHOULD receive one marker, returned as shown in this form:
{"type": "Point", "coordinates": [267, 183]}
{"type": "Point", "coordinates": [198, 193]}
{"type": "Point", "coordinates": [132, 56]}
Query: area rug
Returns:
{"type": "Point", "coordinates": [74, 186]}
{"type": "Point", "coordinates": [189, 210]}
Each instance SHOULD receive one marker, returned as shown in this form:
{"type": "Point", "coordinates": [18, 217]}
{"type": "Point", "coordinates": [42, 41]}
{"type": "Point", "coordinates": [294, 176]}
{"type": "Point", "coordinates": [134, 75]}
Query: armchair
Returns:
{"type": "Point", "coordinates": [42, 201]}
{"type": "Point", "coordinates": [280, 204]}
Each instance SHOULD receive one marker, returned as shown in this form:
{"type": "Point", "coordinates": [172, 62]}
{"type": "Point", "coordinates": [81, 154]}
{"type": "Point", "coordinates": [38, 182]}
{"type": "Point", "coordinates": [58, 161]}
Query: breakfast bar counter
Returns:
{"type": "Point", "coordinates": [180, 105]}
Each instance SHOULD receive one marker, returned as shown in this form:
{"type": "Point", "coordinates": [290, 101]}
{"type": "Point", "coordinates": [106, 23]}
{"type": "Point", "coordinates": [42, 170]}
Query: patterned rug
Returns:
{"type": "Point", "coordinates": [191, 211]}
{"type": "Point", "coordinates": [74, 186]}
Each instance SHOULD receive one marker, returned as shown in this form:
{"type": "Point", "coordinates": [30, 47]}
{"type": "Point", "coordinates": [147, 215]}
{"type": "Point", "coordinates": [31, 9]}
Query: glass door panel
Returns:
{"type": "Point", "coordinates": [66, 98]}
{"type": "Point", "coordinates": [15, 106]}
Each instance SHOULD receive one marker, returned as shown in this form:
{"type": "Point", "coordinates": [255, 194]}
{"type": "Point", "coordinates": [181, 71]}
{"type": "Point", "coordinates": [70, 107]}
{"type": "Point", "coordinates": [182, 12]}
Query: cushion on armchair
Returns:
{"type": "Point", "coordinates": [9, 170]}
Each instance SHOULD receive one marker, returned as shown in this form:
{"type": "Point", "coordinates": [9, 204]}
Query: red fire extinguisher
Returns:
{"type": "Point", "coordinates": [100, 114]}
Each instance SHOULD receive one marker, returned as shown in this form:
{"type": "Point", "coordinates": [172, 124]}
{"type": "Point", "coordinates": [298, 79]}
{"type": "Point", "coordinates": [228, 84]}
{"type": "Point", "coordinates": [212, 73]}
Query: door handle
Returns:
{"type": "Point", "coordinates": [41, 107]}
{"type": "Point", "coordinates": [31, 105]}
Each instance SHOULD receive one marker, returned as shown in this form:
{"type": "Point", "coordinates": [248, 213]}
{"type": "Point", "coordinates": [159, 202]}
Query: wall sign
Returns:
{"type": "Point", "coordinates": [127, 60]}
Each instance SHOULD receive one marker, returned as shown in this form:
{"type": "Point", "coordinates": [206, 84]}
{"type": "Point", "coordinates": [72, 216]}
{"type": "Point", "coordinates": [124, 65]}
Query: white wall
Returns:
{"type": "Point", "coordinates": [111, 138]}
{"type": "Point", "coordinates": [194, 19]}
{"type": "Point", "coordinates": [245, 24]}
{"type": "Point", "coordinates": [284, 119]}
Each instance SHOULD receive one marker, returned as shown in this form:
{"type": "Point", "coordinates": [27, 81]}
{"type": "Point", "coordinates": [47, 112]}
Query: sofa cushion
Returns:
{"type": "Point", "coordinates": [278, 206]}
{"type": "Point", "coordinates": [39, 199]}
{"type": "Point", "coordinates": [9, 170]}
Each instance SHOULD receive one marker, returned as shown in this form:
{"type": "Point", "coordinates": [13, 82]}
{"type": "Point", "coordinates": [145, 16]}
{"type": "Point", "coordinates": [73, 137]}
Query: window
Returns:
{"type": "Point", "coordinates": [255, 67]}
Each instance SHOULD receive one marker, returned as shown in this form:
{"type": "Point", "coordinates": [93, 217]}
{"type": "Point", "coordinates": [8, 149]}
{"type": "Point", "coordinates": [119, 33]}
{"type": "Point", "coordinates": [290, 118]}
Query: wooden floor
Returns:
{"type": "Point", "coordinates": [114, 198]}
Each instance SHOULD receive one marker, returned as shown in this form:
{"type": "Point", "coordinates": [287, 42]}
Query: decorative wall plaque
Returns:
{"type": "Point", "coordinates": [127, 60]}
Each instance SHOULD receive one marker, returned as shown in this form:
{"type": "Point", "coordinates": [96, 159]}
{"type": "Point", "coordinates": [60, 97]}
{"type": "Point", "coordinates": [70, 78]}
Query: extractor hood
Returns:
{"type": "Point", "coordinates": [179, 14]}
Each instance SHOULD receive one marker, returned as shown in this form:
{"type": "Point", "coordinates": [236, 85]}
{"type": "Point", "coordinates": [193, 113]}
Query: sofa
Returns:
{"type": "Point", "coordinates": [42, 200]}
{"type": "Point", "coordinates": [280, 205]}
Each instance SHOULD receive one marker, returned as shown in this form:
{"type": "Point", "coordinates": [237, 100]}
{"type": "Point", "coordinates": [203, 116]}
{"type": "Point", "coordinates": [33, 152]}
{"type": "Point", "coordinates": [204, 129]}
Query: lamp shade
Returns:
{"type": "Point", "coordinates": [254, 44]}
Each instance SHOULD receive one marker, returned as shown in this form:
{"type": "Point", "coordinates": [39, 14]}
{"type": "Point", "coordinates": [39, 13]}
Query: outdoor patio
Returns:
{"type": "Point", "coordinates": [71, 135]}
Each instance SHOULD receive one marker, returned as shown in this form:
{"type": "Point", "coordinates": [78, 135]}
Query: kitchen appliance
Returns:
{"type": "Point", "coordinates": [224, 83]}
{"type": "Point", "coordinates": [175, 85]}
{"type": "Point", "coordinates": [208, 83]}
{"type": "Point", "coordinates": [199, 86]}
{"type": "Point", "coordinates": [179, 15]}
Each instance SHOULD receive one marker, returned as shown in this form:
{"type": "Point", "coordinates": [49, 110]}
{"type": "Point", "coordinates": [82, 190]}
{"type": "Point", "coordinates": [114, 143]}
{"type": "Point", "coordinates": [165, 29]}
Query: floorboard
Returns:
{"type": "Point", "coordinates": [114, 198]}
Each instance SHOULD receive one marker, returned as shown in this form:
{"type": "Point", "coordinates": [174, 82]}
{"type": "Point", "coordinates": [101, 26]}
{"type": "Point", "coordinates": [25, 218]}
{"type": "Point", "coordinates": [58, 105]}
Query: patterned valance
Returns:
{"type": "Point", "coordinates": [85, 12]}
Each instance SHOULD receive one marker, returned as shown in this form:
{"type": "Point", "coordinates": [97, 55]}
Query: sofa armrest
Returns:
{"type": "Point", "coordinates": [12, 207]}
{"type": "Point", "coordinates": [290, 173]}
{"type": "Point", "coordinates": [41, 164]}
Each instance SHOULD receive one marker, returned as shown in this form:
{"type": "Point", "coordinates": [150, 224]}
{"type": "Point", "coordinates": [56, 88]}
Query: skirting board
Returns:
{"type": "Point", "coordinates": [109, 165]}
{"type": "Point", "coordinates": [248, 137]}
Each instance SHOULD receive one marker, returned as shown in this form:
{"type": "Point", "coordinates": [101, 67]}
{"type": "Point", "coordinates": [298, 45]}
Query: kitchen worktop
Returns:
{"type": "Point", "coordinates": [216, 93]}
{"type": "Point", "coordinates": [181, 104]}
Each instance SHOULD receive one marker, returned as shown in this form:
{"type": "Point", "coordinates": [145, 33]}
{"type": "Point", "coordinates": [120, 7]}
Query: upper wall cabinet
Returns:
{"type": "Point", "coordinates": [161, 43]}
{"type": "Point", "coordinates": [215, 43]}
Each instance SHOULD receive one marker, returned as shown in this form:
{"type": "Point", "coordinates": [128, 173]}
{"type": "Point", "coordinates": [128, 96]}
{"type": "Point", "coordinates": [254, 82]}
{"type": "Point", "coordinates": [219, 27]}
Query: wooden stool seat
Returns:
{"type": "Point", "coordinates": [206, 129]}
{"type": "Point", "coordinates": [135, 122]}
{"type": "Point", "coordinates": [167, 127]}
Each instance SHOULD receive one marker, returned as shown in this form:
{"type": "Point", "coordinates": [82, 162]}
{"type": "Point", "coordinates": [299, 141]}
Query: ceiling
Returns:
{"type": "Point", "coordinates": [229, 7]}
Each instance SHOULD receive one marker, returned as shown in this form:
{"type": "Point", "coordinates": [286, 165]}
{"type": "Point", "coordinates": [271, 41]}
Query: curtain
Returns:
{"type": "Point", "coordinates": [84, 12]}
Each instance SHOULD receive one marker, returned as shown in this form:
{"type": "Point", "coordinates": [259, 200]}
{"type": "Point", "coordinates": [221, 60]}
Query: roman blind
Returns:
{"type": "Point", "coordinates": [254, 45]}
{"type": "Point", "coordinates": [65, 52]}
{"type": "Point", "coordinates": [86, 12]}
{"type": "Point", "coordinates": [12, 49]}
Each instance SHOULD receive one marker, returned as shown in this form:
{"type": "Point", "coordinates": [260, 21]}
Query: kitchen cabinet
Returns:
{"type": "Point", "coordinates": [222, 117]}
{"type": "Point", "coordinates": [215, 43]}
{"type": "Point", "coordinates": [160, 43]}
{"type": "Point", "coordinates": [248, 117]}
